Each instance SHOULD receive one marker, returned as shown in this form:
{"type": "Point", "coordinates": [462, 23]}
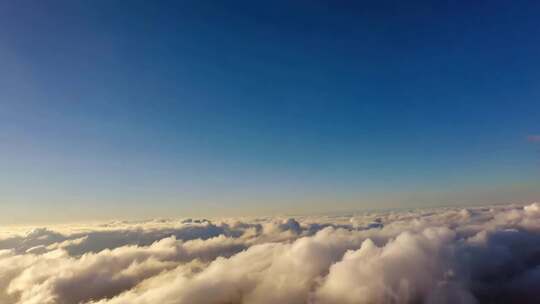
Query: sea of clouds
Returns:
{"type": "Point", "coordinates": [447, 255]}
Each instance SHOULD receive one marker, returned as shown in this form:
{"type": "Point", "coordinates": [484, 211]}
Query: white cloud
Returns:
{"type": "Point", "coordinates": [471, 255]}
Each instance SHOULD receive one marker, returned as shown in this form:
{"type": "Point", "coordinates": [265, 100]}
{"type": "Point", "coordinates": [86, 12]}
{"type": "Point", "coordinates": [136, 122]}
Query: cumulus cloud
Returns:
{"type": "Point", "coordinates": [449, 255]}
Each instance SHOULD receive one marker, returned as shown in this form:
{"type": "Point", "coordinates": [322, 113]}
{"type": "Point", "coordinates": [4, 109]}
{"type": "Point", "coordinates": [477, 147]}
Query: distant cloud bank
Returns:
{"type": "Point", "coordinates": [471, 255]}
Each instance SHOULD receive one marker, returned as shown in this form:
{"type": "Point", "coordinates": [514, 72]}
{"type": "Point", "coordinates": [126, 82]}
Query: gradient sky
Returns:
{"type": "Point", "coordinates": [130, 109]}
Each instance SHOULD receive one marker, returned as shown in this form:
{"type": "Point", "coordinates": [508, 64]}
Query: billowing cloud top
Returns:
{"type": "Point", "coordinates": [474, 255]}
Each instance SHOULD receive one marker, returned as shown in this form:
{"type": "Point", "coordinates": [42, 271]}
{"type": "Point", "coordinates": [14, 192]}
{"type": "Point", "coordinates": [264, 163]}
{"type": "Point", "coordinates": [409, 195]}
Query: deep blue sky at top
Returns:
{"type": "Point", "coordinates": [130, 108]}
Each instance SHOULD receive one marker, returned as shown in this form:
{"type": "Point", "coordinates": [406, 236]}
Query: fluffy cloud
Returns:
{"type": "Point", "coordinates": [472, 255]}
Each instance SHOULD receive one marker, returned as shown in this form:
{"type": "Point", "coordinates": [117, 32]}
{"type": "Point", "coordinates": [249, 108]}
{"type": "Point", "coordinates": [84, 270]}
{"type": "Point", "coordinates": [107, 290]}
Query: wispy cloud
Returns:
{"type": "Point", "coordinates": [533, 138]}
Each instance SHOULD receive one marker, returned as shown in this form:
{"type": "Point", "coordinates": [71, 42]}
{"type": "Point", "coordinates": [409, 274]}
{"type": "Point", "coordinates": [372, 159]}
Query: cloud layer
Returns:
{"type": "Point", "coordinates": [473, 255]}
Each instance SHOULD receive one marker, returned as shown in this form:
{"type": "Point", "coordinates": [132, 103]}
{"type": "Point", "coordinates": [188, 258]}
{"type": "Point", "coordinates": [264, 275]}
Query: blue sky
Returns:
{"type": "Point", "coordinates": [172, 108]}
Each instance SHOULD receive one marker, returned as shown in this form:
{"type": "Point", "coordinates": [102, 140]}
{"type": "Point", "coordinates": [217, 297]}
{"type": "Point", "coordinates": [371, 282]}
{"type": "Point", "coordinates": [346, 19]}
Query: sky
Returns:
{"type": "Point", "coordinates": [139, 109]}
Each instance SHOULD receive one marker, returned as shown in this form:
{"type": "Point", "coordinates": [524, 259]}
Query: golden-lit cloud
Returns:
{"type": "Point", "coordinates": [447, 255]}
